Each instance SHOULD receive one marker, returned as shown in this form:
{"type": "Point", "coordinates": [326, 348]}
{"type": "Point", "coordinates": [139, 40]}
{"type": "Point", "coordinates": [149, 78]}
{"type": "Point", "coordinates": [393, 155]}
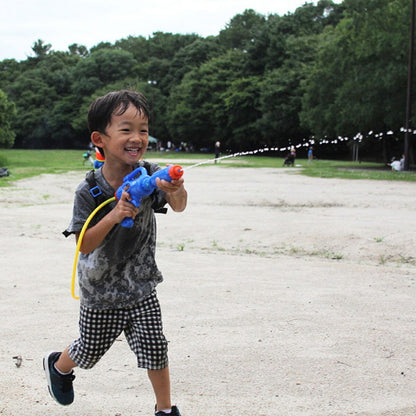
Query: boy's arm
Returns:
{"type": "Point", "coordinates": [95, 235]}
{"type": "Point", "coordinates": [176, 195]}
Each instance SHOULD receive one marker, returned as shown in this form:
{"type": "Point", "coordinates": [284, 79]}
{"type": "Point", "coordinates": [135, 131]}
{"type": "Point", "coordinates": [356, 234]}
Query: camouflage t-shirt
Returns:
{"type": "Point", "coordinates": [122, 270]}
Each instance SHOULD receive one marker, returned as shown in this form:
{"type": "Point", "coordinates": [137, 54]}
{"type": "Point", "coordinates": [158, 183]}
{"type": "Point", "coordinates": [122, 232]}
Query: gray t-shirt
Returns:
{"type": "Point", "coordinates": [122, 270]}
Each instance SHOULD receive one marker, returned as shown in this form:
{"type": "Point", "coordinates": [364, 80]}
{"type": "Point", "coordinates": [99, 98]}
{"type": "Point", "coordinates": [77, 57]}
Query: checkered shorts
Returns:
{"type": "Point", "coordinates": [142, 326]}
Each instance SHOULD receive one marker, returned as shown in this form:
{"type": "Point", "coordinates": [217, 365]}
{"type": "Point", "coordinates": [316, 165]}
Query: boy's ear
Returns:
{"type": "Point", "coordinates": [97, 138]}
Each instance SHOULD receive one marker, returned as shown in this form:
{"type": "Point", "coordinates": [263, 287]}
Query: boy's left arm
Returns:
{"type": "Point", "coordinates": [176, 194]}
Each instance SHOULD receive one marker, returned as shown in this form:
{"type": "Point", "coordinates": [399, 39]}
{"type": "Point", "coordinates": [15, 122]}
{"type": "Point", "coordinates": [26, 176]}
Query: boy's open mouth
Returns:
{"type": "Point", "coordinates": [132, 150]}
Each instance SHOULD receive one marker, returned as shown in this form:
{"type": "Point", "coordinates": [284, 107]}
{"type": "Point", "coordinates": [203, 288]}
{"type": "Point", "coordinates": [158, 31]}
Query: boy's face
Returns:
{"type": "Point", "coordinates": [126, 137]}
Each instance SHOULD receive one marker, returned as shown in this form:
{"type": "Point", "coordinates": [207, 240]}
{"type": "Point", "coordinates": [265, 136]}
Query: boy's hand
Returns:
{"type": "Point", "coordinates": [176, 194]}
{"type": "Point", "coordinates": [170, 187]}
{"type": "Point", "coordinates": [124, 208]}
{"type": "Point", "coordinates": [95, 235]}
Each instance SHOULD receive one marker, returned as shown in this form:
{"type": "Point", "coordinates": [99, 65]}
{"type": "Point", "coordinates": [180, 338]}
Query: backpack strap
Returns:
{"type": "Point", "coordinates": [95, 190]}
{"type": "Point", "coordinates": [97, 194]}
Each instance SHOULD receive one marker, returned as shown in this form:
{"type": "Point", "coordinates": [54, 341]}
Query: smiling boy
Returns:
{"type": "Point", "coordinates": [117, 270]}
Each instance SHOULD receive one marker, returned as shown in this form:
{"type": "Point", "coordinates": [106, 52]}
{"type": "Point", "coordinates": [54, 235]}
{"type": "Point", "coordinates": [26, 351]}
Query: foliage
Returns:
{"type": "Point", "coordinates": [326, 70]}
{"type": "Point", "coordinates": [199, 97]}
{"type": "Point", "coordinates": [357, 83]}
{"type": "Point", "coordinates": [7, 112]}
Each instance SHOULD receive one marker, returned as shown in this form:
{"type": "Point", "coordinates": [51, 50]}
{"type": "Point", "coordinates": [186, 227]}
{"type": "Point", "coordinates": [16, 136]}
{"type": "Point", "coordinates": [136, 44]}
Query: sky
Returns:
{"type": "Point", "coordinates": [89, 22]}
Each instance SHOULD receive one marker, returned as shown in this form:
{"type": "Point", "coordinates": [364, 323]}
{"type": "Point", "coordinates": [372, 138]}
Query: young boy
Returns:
{"type": "Point", "coordinates": [117, 268]}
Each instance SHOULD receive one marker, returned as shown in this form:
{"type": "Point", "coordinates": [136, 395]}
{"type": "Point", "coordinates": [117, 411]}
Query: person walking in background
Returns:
{"type": "Point", "coordinates": [217, 150]}
{"type": "Point", "coordinates": [310, 154]}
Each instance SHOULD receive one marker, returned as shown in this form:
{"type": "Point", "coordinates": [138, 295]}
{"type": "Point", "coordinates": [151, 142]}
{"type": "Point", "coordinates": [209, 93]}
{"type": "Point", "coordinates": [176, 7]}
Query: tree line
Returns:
{"type": "Point", "coordinates": [324, 71]}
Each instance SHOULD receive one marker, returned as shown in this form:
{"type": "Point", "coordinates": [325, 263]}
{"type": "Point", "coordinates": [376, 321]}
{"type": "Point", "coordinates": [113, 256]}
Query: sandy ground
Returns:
{"type": "Point", "coordinates": [283, 295]}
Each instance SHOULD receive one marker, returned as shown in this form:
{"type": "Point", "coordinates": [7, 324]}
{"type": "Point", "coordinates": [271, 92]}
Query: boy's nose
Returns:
{"type": "Point", "coordinates": [138, 137]}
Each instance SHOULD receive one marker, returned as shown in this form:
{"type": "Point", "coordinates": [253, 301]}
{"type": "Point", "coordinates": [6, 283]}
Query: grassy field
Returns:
{"type": "Point", "coordinates": [28, 163]}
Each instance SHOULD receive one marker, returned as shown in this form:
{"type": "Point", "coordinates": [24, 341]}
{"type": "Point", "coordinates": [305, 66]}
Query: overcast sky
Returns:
{"type": "Point", "coordinates": [89, 22]}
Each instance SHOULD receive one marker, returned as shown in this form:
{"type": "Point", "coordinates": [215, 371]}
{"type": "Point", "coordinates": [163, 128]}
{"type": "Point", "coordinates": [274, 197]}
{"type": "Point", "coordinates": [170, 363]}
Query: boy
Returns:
{"type": "Point", "coordinates": [117, 269]}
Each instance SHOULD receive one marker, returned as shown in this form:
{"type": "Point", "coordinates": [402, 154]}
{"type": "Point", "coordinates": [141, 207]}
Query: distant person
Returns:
{"type": "Point", "coordinates": [396, 165]}
{"type": "Point", "coordinates": [402, 163]}
{"type": "Point", "coordinates": [87, 157]}
{"type": "Point", "coordinates": [310, 154]}
{"type": "Point", "coordinates": [289, 160]}
{"type": "Point", "coordinates": [293, 154]}
{"type": "Point", "coordinates": [217, 150]}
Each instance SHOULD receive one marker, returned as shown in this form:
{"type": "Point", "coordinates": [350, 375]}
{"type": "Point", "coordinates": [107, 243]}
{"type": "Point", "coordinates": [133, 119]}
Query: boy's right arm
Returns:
{"type": "Point", "coordinates": [95, 235]}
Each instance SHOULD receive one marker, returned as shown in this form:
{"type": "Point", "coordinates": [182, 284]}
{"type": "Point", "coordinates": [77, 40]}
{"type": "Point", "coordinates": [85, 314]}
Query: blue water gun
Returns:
{"type": "Point", "coordinates": [140, 186]}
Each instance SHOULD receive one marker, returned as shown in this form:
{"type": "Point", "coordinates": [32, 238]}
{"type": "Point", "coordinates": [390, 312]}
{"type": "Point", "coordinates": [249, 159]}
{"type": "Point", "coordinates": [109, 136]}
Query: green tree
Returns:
{"type": "Point", "coordinates": [33, 98]}
{"type": "Point", "coordinates": [10, 69]}
{"type": "Point", "coordinates": [192, 56]}
{"type": "Point", "coordinates": [293, 44]}
{"type": "Point", "coordinates": [7, 113]}
{"type": "Point", "coordinates": [240, 113]}
{"type": "Point", "coordinates": [165, 45]}
{"type": "Point", "coordinates": [241, 30]}
{"type": "Point", "coordinates": [281, 93]}
{"type": "Point", "coordinates": [358, 81]}
{"type": "Point", "coordinates": [76, 49]}
{"type": "Point", "coordinates": [40, 48]}
{"type": "Point", "coordinates": [195, 108]}
{"type": "Point", "coordinates": [102, 67]}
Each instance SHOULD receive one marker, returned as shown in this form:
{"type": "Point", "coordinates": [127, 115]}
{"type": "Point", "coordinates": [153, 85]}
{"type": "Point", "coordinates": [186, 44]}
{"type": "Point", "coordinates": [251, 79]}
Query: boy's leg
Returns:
{"type": "Point", "coordinates": [64, 364]}
{"type": "Point", "coordinates": [161, 386]}
{"type": "Point", "coordinates": [59, 385]}
{"type": "Point", "coordinates": [144, 334]}
{"type": "Point", "coordinates": [98, 330]}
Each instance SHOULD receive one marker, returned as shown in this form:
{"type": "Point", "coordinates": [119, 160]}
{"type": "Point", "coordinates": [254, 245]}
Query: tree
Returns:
{"type": "Point", "coordinates": [281, 93]}
{"type": "Point", "coordinates": [241, 30]}
{"type": "Point", "coordinates": [326, 69]}
{"type": "Point", "coordinates": [358, 81]}
{"type": "Point", "coordinates": [40, 48]}
{"type": "Point", "coordinates": [7, 113]}
{"type": "Point", "coordinates": [192, 56]}
{"type": "Point", "coordinates": [101, 67]}
{"type": "Point", "coordinates": [240, 113]}
{"type": "Point", "coordinates": [380, 67]}
{"type": "Point", "coordinates": [195, 108]}
{"type": "Point", "coordinates": [76, 49]}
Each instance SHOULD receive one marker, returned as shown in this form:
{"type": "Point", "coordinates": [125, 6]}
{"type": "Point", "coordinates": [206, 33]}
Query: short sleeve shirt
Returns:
{"type": "Point", "coordinates": [122, 270]}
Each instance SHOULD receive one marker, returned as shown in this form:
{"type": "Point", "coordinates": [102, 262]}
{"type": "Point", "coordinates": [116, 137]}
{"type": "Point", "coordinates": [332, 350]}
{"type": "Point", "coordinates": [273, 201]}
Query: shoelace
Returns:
{"type": "Point", "coordinates": [67, 382]}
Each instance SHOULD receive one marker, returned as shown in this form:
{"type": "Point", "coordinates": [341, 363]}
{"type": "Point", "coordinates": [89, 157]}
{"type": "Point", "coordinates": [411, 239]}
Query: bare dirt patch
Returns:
{"type": "Point", "coordinates": [283, 295]}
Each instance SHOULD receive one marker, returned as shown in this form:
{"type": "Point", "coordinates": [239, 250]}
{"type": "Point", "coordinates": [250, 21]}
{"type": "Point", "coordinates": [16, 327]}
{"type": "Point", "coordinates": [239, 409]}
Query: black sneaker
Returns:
{"type": "Point", "coordinates": [60, 387]}
{"type": "Point", "coordinates": [174, 412]}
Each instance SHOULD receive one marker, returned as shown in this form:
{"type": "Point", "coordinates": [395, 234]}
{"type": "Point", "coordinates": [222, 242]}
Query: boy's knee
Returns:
{"type": "Point", "coordinates": [84, 359]}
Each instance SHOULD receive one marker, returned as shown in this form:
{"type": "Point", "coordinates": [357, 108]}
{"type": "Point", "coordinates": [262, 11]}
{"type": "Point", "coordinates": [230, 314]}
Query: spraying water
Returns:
{"type": "Point", "coordinates": [248, 153]}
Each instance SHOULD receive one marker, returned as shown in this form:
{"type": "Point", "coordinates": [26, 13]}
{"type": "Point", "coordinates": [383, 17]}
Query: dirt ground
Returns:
{"type": "Point", "coordinates": [283, 295]}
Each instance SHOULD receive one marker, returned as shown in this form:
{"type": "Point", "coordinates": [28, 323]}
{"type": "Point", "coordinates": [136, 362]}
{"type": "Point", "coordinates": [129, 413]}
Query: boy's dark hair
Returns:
{"type": "Point", "coordinates": [116, 102]}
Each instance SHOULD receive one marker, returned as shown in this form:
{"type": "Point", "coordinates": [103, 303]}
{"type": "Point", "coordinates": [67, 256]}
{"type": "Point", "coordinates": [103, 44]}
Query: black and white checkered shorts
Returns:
{"type": "Point", "coordinates": [142, 326]}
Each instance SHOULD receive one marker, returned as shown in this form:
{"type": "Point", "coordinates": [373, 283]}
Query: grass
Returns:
{"type": "Point", "coordinates": [29, 163]}
{"type": "Point", "coordinates": [354, 170]}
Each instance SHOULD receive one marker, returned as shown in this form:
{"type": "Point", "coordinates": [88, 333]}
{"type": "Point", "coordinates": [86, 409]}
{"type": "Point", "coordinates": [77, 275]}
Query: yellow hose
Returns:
{"type": "Point", "coordinates": [81, 236]}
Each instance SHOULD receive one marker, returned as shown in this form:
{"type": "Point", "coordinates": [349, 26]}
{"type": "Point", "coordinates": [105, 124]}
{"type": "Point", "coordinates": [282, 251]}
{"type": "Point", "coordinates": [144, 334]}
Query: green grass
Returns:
{"type": "Point", "coordinates": [29, 163]}
{"type": "Point", "coordinates": [354, 170]}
